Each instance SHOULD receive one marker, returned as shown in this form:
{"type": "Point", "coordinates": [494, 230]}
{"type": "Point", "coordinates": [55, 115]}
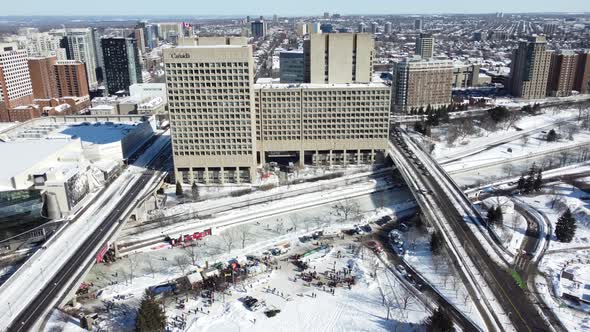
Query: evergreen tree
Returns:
{"type": "Point", "coordinates": [439, 321]}
{"type": "Point", "coordinates": [435, 243]}
{"type": "Point", "coordinates": [538, 181]}
{"type": "Point", "coordinates": [150, 316]}
{"type": "Point", "coordinates": [565, 229]}
{"type": "Point", "coordinates": [195, 191]}
{"type": "Point", "coordinates": [551, 136]}
{"type": "Point", "coordinates": [178, 189]}
{"type": "Point", "coordinates": [499, 216]}
{"type": "Point", "coordinates": [521, 183]}
{"type": "Point", "coordinates": [492, 217]}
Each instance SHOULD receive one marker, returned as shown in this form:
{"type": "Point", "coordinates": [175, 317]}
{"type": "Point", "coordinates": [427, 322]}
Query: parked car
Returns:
{"type": "Point", "coordinates": [366, 228]}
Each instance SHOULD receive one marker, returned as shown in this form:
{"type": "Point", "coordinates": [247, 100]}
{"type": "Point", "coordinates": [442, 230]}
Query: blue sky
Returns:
{"type": "Point", "coordinates": [282, 7]}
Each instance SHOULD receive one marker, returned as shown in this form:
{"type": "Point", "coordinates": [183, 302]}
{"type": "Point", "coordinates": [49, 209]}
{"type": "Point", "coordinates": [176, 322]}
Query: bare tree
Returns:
{"type": "Point", "coordinates": [150, 267]}
{"type": "Point", "coordinates": [512, 118]}
{"type": "Point", "coordinates": [407, 299]}
{"type": "Point", "coordinates": [182, 263]}
{"type": "Point", "coordinates": [525, 140]}
{"type": "Point", "coordinates": [294, 221]}
{"type": "Point", "coordinates": [192, 253]}
{"type": "Point", "coordinates": [132, 264]}
{"type": "Point", "coordinates": [452, 135]}
{"type": "Point", "coordinates": [244, 234]}
{"type": "Point", "coordinates": [229, 237]}
{"type": "Point", "coordinates": [346, 210]}
{"type": "Point", "coordinates": [508, 168]}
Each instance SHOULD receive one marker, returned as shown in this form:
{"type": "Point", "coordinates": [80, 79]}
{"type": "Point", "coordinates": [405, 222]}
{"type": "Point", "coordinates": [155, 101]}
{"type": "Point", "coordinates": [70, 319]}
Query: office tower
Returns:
{"type": "Point", "coordinates": [321, 124]}
{"type": "Point", "coordinates": [79, 44]}
{"type": "Point", "coordinates": [301, 29]}
{"type": "Point", "coordinates": [362, 28]}
{"type": "Point", "coordinates": [122, 65]}
{"type": "Point", "coordinates": [275, 19]}
{"type": "Point", "coordinates": [419, 83]}
{"type": "Point", "coordinates": [43, 77]}
{"type": "Point", "coordinates": [248, 19]}
{"type": "Point", "coordinates": [582, 72]}
{"type": "Point", "coordinates": [338, 58]}
{"type": "Point", "coordinates": [326, 15]}
{"type": "Point", "coordinates": [71, 80]}
{"type": "Point", "coordinates": [418, 24]}
{"type": "Point", "coordinates": [140, 39]}
{"type": "Point", "coordinates": [222, 129]}
{"type": "Point", "coordinates": [100, 74]}
{"type": "Point", "coordinates": [292, 67]}
{"type": "Point", "coordinates": [169, 31]}
{"type": "Point", "coordinates": [425, 45]}
{"type": "Point", "coordinates": [374, 27]}
{"type": "Point", "coordinates": [529, 70]}
{"type": "Point", "coordinates": [562, 73]}
{"type": "Point", "coordinates": [15, 81]}
{"type": "Point", "coordinates": [313, 28]}
{"type": "Point", "coordinates": [210, 94]}
{"type": "Point", "coordinates": [388, 28]}
{"type": "Point", "coordinates": [326, 28]}
{"type": "Point", "coordinates": [258, 29]}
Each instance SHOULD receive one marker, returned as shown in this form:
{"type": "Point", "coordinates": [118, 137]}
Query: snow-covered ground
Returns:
{"type": "Point", "coordinates": [358, 309]}
{"type": "Point", "coordinates": [513, 228]}
{"type": "Point", "coordinates": [439, 272]}
{"type": "Point", "coordinates": [478, 142]}
{"type": "Point", "coordinates": [553, 201]}
{"type": "Point", "coordinates": [158, 266]}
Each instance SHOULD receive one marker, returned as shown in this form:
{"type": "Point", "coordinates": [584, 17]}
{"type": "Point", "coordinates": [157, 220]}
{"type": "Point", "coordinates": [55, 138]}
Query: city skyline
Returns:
{"type": "Point", "coordinates": [305, 7]}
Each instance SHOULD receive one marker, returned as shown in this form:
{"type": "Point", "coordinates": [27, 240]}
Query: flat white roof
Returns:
{"type": "Point", "coordinates": [26, 154]}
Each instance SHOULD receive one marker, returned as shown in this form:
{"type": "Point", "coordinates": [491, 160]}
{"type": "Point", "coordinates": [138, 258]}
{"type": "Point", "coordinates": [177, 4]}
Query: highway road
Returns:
{"type": "Point", "coordinates": [511, 297]}
{"type": "Point", "coordinates": [382, 235]}
{"type": "Point", "coordinates": [54, 290]}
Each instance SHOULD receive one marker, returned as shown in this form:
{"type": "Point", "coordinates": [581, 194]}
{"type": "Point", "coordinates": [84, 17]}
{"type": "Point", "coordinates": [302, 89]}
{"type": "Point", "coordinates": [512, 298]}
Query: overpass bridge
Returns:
{"type": "Point", "coordinates": [483, 265]}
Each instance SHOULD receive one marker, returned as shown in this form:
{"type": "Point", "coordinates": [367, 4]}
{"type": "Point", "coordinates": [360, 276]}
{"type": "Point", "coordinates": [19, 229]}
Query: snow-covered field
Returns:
{"type": "Point", "coordinates": [131, 275]}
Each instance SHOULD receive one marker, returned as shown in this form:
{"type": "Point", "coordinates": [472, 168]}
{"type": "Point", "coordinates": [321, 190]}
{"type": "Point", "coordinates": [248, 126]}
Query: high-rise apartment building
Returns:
{"type": "Point", "coordinates": [43, 77]}
{"type": "Point", "coordinates": [313, 28]}
{"type": "Point", "coordinates": [212, 116]}
{"type": "Point", "coordinates": [292, 67]}
{"type": "Point", "coordinates": [374, 27]}
{"type": "Point", "coordinates": [15, 81]}
{"type": "Point", "coordinates": [418, 24]}
{"type": "Point", "coordinates": [562, 73]}
{"type": "Point", "coordinates": [212, 41]}
{"type": "Point", "coordinates": [362, 28]}
{"type": "Point", "coordinates": [388, 28]}
{"type": "Point", "coordinates": [79, 44]}
{"type": "Point", "coordinates": [223, 125]}
{"type": "Point", "coordinates": [338, 58]}
{"type": "Point", "coordinates": [419, 83]}
{"type": "Point", "coordinates": [70, 76]}
{"type": "Point", "coordinates": [170, 31]}
{"type": "Point", "coordinates": [259, 29]}
{"type": "Point", "coordinates": [122, 64]}
{"type": "Point", "coordinates": [583, 72]}
{"type": "Point", "coordinates": [140, 39]}
{"type": "Point", "coordinates": [529, 70]}
{"type": "Point", "coordinates": [301, 29]}
{"type": "Point", "coordinates": [44, 45]}
{"type": "Point", "coordinates": [425, 45]}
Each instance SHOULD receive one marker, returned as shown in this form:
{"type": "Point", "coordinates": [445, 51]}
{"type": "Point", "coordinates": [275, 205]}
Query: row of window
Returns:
{"type": "Point", "coordinates": [208, 65]}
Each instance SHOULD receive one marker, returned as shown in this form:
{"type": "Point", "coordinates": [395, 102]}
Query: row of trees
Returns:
{"type": "Point", "coordinates": [532, 182]}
